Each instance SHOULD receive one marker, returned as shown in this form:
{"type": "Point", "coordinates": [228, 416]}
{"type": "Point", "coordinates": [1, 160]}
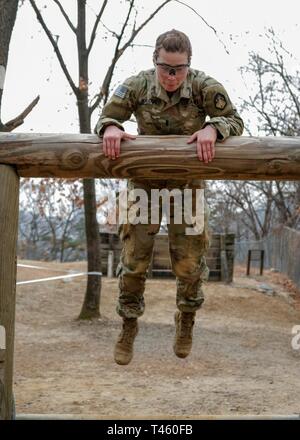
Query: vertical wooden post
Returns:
{"type": "Point", "coordinates": [9, 209]}
{"type": "Point", "coordinates": [110, 264]}
{"type": "Point", "coordinates": [248, 262]}
{"type": "Point", "coordinates": [229, 248]}
{"type": "Point", "coordinates": [262, 257]}
{"type": "Point", "coordinates": [224, 264]}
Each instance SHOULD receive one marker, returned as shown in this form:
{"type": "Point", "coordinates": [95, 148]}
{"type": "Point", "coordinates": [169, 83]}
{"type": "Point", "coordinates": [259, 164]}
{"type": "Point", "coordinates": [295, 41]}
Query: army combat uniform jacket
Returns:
{"type": "Point", "coordinates": [200, 100]}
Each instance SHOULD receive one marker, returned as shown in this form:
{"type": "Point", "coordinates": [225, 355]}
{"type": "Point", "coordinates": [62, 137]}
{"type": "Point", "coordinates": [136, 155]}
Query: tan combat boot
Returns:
{"type": "Point", "coordinates": [124, 346]}
{"type": "Point", "coordinates": [184, 322]}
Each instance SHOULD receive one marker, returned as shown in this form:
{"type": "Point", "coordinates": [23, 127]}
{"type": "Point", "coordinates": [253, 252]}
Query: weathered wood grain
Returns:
{"type": "Point", "coordinates": [9, 205]}
{"type": "Point", "coordinates": [151, 157]}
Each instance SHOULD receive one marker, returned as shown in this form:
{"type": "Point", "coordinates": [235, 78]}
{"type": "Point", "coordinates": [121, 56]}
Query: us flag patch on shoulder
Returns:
{"type": "Point", "coordinates": [121, 91]}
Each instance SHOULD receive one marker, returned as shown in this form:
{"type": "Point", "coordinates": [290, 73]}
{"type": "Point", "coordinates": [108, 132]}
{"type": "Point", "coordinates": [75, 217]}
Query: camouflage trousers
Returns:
{"type": "Point", "coordinates": [187, 254]}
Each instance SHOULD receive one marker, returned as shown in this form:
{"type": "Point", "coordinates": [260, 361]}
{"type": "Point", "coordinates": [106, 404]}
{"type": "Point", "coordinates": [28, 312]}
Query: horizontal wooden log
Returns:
{"type": "Point", "coordinates": [151, 157]}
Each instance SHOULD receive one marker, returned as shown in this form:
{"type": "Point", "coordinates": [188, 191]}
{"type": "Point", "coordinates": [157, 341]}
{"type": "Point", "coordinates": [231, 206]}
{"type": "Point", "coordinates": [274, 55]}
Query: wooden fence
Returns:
{"type": "Point", "coordinates": [282, 252]}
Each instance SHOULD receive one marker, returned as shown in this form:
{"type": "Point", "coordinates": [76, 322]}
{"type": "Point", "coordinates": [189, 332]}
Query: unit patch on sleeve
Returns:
{"type": "Point", "coordinates": [121, 91]}
{"type": "Point", "coordinates": [220, 101]}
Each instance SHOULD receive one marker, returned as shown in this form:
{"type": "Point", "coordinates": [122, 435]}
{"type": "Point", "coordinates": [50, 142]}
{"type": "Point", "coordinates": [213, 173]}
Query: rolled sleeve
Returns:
{"type": "Point", "coordinates": [226, 126]}
{"type": "Point", "coordinates": [104, 122]}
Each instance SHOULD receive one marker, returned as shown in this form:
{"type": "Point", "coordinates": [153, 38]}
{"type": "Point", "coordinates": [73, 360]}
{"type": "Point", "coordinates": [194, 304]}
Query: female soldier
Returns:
{"type": "Point", "coordinates": [170, 98]}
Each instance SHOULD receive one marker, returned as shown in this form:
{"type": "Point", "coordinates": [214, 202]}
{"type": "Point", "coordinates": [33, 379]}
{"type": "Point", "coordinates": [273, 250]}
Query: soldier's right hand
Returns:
{"type": "Point", "coordinates": [112, 141]}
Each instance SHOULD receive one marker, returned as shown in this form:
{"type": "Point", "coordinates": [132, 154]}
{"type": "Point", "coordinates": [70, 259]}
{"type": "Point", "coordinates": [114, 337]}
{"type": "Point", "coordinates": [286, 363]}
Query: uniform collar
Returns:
{"type": "Point", "coordinates": [185, 90]}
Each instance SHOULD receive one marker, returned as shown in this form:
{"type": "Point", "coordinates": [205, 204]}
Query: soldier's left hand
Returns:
{"type": "Point", "coordinates": [206, 140]}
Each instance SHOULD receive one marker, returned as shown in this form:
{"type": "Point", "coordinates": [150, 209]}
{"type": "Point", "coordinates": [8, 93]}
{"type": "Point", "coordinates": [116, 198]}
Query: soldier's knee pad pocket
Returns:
{"type": "Point", "coordinates": [137, 241]}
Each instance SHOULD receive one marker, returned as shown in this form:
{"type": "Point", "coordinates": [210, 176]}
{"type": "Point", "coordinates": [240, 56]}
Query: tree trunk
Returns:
{"type": "Point", "coordinates": [91, 304]}
{"type": "Point", "coordinates": [90, 308]}
{"type": "Point", "coordinates": [8, 12]}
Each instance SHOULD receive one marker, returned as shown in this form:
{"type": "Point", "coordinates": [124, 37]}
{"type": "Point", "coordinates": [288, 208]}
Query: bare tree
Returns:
{"type": "Point", "coordinates": [8, 13]}
{"type": "Point", "coordinates": [51, 214]}
{"type": "Point", "coordinates": [275, 96]}
{"type": "Point", "coordinates": [236, 203]}
{"type": "Point", "coordinates": [124, 38]}
{"type": "Point", "coordinates": [274, 101]}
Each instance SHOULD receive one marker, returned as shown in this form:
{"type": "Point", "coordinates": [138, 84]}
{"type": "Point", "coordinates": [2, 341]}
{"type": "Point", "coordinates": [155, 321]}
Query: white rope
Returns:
{"type": "Point", "coordinates": [43, 268]}
{"type": "Point", "coordinates": [61, 277]}
{"type": "Point", "coordinates": [42, 280]}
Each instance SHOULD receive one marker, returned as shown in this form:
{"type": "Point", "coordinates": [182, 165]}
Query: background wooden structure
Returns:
{"type": "Point", "coordinates": [220, 254]}
{"type": "Point", "coordinates": [281, 252]}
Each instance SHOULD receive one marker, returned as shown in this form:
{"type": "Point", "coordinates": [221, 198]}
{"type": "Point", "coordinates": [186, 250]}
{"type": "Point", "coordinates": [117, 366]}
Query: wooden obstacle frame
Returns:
{"type": "Point", "coordinates": [147, 157]}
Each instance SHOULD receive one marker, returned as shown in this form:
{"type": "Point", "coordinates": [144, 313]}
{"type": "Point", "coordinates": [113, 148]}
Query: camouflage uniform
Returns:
{"type": "Point", "coordinates": [200, 101]}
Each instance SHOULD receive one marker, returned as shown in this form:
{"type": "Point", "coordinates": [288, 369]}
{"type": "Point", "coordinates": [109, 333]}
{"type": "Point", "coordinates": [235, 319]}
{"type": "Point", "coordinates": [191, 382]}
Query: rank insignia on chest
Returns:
{"type": "Point", "coordinates": [220, 101]}
{"type": "Point", "coordinates": [147, 101]}
{"type": "Point", "coordinates": [121, 91]}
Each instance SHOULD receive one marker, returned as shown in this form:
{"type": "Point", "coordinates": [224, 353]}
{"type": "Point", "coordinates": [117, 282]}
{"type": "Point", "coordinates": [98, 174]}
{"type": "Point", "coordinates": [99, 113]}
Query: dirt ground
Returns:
{"type": "Point", "coordinates": [242, 360]}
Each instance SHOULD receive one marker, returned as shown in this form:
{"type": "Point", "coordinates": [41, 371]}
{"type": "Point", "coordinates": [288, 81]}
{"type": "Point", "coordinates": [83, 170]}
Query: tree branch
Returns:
{"type": "Point", "coordinates": [118, 52]}
{"type": "Point", "coordinates": [241, 203]}
{"type": "Point", "coordinates": [114, 34]}
{"type": "Point", "coordinates": [65, 15]}
{"type": "Point", "coordinates": [282, 202]}
{"type": "Point", "coordinates": [280, 71]}
{"type": "Point", "coordinates": [135, 32]}
{"type": "Point", "coordinates": [204, 21]}
{"type": "Point", "coordinates": [55, 47]}
{"type": "Point", "coordinates": [93, 34]}
{"type": "Point", "coordinates": [19, 120]}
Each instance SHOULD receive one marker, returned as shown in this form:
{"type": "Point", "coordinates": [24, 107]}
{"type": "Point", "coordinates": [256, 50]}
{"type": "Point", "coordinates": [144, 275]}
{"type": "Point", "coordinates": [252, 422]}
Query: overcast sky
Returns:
{"type": "Point", "coordinates": [33, 68]}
